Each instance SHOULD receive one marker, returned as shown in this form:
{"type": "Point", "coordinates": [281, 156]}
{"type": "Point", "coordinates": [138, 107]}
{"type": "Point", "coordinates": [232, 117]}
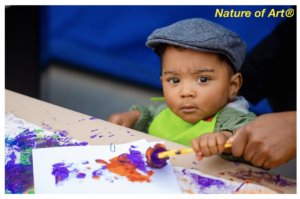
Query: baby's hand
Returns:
{"type": "Point", "coordinates": [126, 119]}
{"type": "Point", "coordinates": [210, 144]}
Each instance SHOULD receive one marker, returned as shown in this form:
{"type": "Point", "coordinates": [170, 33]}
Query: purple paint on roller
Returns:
{"type": "Point", "coordinates": [93, 136]}
{"type": "Point", "coordinates": [81, 175]}
{"type": "Point", "coordinates": [159, 162]}
{"type": "Point", "coordinates": [94, 130]}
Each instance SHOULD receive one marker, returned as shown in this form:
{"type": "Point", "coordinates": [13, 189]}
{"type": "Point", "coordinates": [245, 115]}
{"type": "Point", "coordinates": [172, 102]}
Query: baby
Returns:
{"type": "Point", "coordinates": [200, 61]}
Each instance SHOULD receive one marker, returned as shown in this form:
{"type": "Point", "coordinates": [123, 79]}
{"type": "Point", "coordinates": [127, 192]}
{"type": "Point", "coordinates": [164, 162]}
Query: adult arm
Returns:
{"type": "Point", "coordinates": [268, 141]}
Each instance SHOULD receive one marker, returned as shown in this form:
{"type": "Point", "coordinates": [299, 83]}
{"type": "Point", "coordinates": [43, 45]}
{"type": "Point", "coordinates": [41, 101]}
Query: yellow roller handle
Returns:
{"type": "Point", "coordinates": [170, 153]}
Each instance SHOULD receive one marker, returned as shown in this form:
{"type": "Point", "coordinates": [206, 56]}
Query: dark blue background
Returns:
{"type": "Point", "coordinates": [111, 39]}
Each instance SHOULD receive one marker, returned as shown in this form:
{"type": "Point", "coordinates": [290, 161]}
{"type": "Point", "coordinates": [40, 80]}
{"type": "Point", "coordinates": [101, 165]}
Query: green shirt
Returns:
{"type": "Point", "coordinates": [228, 119]}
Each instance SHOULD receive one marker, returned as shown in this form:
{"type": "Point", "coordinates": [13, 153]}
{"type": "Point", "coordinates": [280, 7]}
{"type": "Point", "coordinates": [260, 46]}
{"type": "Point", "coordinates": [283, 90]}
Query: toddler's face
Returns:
{"type": "Point", "coordinates": [195, 84]}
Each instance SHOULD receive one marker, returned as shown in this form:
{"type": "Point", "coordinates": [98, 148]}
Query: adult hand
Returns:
{"type": "Point", "coordinates": [126, 119]}
{"type": "Point", "coordinates": [268, 141]}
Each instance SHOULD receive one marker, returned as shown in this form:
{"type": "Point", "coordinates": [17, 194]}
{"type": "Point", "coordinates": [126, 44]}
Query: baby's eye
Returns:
{"type": "Point", "coordinates": [174, 80]}
{"type": "Point", "coordinates": [202, 79]}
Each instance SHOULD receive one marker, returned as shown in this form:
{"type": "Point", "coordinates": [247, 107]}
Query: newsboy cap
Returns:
{"type": "Point", "coordinates": [202, 35]}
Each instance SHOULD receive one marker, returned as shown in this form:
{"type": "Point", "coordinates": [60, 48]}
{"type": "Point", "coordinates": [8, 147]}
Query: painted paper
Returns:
{"type": "Point", "coordinates": [61, 170]}
{"type": "Point", "coordinates": [20, 138]}
{"type": "Point", "coordinates": [195, 182]}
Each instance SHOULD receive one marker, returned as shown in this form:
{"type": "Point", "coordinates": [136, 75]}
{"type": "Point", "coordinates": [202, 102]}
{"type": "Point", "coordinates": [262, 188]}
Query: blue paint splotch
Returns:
{"type": "Point", "coordinates": [18, 177]}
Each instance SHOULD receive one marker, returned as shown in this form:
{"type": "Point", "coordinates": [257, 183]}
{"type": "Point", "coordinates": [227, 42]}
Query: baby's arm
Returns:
{"type": "Point", "coordinates": [126, 119]}
{"type": "Point", "coordinates": [138, 118]}
{"type": "Point", "coordinates": [210, 144]}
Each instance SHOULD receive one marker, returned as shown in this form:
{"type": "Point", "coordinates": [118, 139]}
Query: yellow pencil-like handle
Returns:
{"type": "Point", "coordinates": [167, 154]}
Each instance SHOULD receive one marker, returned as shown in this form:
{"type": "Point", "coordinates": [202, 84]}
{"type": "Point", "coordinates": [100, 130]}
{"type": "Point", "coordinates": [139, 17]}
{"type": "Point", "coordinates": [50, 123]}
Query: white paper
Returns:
{"type": "Point", "coordinates": [162, 181]}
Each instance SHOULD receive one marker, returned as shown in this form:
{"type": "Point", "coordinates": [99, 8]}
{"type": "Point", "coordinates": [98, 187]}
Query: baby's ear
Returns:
{"type": "Point", "coordinates": [235, 84]}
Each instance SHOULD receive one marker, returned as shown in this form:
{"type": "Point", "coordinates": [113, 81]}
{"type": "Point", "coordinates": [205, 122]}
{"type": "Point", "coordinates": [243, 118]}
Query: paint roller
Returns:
{"type": "Point", "coordinates": [158, 155]}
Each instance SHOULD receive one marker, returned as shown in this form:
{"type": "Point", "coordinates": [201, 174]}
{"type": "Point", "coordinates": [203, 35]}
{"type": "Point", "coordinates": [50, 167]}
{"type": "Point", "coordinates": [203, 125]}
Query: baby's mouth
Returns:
{"type": "Point", "coordinates": [188, 109]}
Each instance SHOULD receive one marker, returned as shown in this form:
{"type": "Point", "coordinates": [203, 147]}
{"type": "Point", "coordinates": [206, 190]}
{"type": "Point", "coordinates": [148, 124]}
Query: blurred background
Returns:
{"type": "Point", "coordinates": [93, 59]}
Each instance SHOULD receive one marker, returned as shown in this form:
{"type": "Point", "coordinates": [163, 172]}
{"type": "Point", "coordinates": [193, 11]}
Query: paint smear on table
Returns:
{"type": "Point", "coordinates": [18, 152]}
{"type": "Point", "coordinates": [195, 182]}
{"type": "Point", "coordinates": [93, 136]}
{"type": "Point", "coordinates": [93, 118]}
{"type": "Point", "coordinates": [259, 177]}
{"type": "Point", "coordinates": [94, 130]}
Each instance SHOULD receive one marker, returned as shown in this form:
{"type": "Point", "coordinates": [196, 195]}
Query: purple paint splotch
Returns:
{"type": "Point", "coordinates": [81, 120]}
{"type": "Point", "coordinates": [81, 175]}
{"type": "Point", "coordinates": [60, 171]}
{"type": "Point", "coordinates": [94, 130]}
{"type": "Point", "coordinates": [97, 173]}
{"type": "Point", "coordinates": [203, 182]}
{"type": "Point", "coordinates": [128, 132]}
{"type": "Point", "coordinates": [100, 136]}
{"type": "Point", "coordinates": [93, 118]}
{"type": "Point", "coordinates": [63, 133]}
{"type": "Point", "coordinates": [93, 136]}
{"type": "Point", "coordinates": [85, 162]}
{"type": "Point", "coordinates": [111, 135]}
{"type": "Point", "coordinates": [136, 157]}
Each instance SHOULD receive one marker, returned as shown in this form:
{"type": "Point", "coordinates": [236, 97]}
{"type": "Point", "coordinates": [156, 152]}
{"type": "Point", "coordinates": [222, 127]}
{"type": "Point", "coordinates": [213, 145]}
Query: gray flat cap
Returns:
{"type": "Point", "coordinates": [202, 35]}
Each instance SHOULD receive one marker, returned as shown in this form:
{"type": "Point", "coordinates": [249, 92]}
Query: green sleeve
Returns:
{"type": "Point", "coordinates": [148, 113]}
{"type": "Point", "coordinates": [229, 120]}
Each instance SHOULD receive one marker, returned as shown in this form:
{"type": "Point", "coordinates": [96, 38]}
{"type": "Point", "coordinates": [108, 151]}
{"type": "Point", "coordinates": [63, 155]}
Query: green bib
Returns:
{"type": "Point", "coordinates": [169, 126]}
